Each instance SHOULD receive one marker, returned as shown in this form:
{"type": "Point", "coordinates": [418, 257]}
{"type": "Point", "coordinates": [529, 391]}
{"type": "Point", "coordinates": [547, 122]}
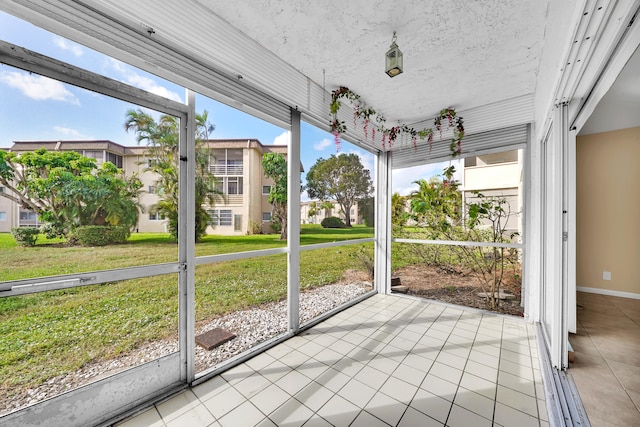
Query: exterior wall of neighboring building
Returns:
{"type": "Point", "coordinates": [496, 175]}
{"type": "Point", "coordinates": [8, 212]}
{"type": "Point", "coordinates": [322, 213]}
{"type": "Point", "coordinates": [254, 198]}
{"type": "Point", "coordinates": [236, 165]}
{"type": "Point", "coordinates": [244, 213]}
{"type": "Point", "coordinates": [137, 161]}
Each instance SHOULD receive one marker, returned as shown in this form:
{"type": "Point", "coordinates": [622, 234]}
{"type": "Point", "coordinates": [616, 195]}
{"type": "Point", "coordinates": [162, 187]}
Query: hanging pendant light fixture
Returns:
{"type": "Point", "coordinates": [393, 59]}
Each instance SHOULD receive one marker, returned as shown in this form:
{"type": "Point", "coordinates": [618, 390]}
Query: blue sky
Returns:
{"type": "Point", "coordinates": [33, 107]}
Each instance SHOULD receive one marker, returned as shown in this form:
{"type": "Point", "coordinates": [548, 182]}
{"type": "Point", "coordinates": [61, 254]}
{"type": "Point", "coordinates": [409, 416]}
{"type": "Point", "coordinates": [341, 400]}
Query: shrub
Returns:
{"type": "Point", "coordinates": [25, 236]}
{"type": "Point", "coordinates": [254, 227]}
{"type": "Point", "coordinates": [332, 222]}
{"type": "Point", "coordinates": [276, 225]}
{"type": "Point", "coordinates": [99, 235]}
{"type": "Point", "coordinates": [364, 257]}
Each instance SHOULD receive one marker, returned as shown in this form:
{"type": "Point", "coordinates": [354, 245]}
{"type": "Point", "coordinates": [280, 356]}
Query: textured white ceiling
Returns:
{"type": "Point", "coordinates": [460, 54]}
{"type": "Point", "coordinates": [470, 55]}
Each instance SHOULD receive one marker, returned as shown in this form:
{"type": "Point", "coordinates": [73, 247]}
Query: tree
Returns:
{"type": "Point", "coordinates": [342, 178]}
{"type": "Point", "coordinates": [399, 214]}
{"type": "Point", "coordinates": [67, 190]}
{"type": "Point", "coordinates": [367, 210]}
{"type": "Point", "coordinates": [327, 206]}
{"type": "Point", "coordinates": [436, 204]}
{"type": "Point", "coordinates": [487, 220]}
{"type": "Point", "coordinates": [162, 138]}
{"type": "Point", "coordinates": [437, 207]}
{"type": "Point", "coordinates": [275, 167]}
{"type": "Point", "coordinates": [314, 210]}
{"type": "Point", "coordinates": [435, 210]}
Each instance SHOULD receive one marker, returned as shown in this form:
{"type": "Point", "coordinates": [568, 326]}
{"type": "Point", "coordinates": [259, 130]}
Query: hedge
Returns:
{"type": "Point", "coordinates": [25, 236]}
{"type": "Point", "coordinates": [332, 222]}
{"type": "Point", "coordinates": [100, 235]}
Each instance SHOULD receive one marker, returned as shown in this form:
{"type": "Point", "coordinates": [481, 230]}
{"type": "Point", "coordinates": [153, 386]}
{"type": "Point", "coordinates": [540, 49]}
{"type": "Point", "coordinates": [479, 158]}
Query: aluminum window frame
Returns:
{"type": "Point", "coordinates": [174, 367]}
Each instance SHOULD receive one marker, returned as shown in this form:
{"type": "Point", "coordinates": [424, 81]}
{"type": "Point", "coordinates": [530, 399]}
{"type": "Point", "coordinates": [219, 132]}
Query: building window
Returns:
{"type": "Point", "coordinates": [220, 217]}
{"type": "Point", "coordinates": [3, 189]}
{"type": "Point", "coordinates": [115, 159]}
{"type": "Point", "coordinates": [228, 185]}
{"type": "Point", "coordinates": [234, 167]}
{"type": "Point", "coordinates": [226, 162]}
{"type": "Point", "coordinates": [237, 222]}
{"type": "Point", "coordinates": [28, 216]}
{"type": "Point", "coordinates": [353, 212]}
{"type": "Point", "coordinates": [155, 216]}
{"type": "Point", "coordinates": [266, 216]}
{"type": "Point", "coordinates": [234, 185]}
{"type": "Point", "coordinates": [225, 217]}
{"type": "Point", "coordinates": [94, 154]}
{"type": "Point", "coordinates": [218, 185]}
{"type": "Point", "coordinates": [3, 216]}
{"type": "Point", "coordinates": [152, 189]}
{"type": "Point", "coordinates": [266, 190]}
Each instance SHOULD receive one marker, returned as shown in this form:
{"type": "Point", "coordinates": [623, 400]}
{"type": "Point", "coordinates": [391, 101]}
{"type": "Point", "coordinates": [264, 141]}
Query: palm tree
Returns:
{"type": "Point", "coordinates": [437, 203]}
{"type": "Point", "coordinates": [398, 209]}
{"type": "Point", "coordinates": [328, 207]}
{"type": "Point", "coordinates": [163, 139]}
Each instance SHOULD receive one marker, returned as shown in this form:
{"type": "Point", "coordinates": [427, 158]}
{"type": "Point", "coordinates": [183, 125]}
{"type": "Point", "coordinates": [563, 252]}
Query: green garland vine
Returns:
{"type": "Point", "coordinates": [389, 135]}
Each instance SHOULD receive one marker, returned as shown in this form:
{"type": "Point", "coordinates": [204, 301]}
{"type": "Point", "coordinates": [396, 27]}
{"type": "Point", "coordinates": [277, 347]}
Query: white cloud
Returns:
{"type": "Point", "coordinates": [319, 146]}
{"type": "Point", "coordinates": [150, 85]}
{"type": "Point", "coordinates": [67, 132]}
{"type": "Point", "coordinates": [38, 87]}
{"type": "Point", "coordinates": [117, 65]}
{"type": "Point", "coordinates": [129, 76]}
{"type": "Point", "coordinates": [282, 139]}
{"type": "Point", "coordinates": [67, 45]}
{"type": "Point", "coordinates": [402, 179]}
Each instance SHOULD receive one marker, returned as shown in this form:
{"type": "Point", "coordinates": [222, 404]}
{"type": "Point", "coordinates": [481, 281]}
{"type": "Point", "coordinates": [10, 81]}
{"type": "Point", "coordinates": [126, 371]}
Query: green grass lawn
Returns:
{"type": "Point", "coordinates": [46, 334]}
{"type": "Point", "coordinates": [50, 258]}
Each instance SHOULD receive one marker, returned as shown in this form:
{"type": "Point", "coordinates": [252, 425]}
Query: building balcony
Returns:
{"type": "Point", "coordinates": [504, 175]}
{"type": "Point", "coordinates": [232, 199]}
{"type": "Point", "coordinates": [222, 169]}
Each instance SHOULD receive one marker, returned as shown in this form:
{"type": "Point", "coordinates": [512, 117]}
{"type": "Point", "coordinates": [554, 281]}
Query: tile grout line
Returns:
{"type": "Point", "coordinates": [607, 362]}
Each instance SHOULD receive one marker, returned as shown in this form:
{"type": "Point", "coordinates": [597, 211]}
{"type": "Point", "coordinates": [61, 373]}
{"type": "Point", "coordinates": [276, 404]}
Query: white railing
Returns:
{"type": "Point", "coordinates": [226, 169]}
{"type": "Point", "coordinates": [232, 199]}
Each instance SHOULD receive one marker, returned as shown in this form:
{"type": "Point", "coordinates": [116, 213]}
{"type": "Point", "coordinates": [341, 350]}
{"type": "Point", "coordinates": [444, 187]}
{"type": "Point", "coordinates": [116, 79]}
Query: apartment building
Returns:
{"type": "Point", "coordinates": [242, 205]}
{"type": "Point", "coordinates": [496, 175]}
{"type": "Point", "coordinates": [314, 211]}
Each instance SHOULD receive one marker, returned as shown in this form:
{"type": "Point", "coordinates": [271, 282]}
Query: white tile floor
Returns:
{"type": "Point", "coordinates": [387, 361]}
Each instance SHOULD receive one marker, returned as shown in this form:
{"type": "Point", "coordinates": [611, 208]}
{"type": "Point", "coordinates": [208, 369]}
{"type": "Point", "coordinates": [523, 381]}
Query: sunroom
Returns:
{"type": "Point", "coordinates": [526, 77]}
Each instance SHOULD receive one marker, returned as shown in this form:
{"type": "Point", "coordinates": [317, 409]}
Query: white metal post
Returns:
{"type": "Point", "coordinates": [186, 239]}
{"type": "Point", "coordinates": [570, 200]}
{"type": "Point", "coordinates": [293, 224]}
{"type": "Point", "coordinates": [554, 246]}
{"type": "Point", "coordinates": [383, 236]}
{"type": "Point", "coordinates": [533, 229]}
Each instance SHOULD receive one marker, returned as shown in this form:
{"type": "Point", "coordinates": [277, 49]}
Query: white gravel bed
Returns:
{"type": "Point", "coordinates": [251, 326]}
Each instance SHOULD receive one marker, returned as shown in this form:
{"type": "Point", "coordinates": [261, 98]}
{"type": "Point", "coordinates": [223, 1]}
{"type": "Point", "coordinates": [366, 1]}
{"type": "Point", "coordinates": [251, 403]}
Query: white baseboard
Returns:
{"type": "Point", "coordinates": [608, 292]}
